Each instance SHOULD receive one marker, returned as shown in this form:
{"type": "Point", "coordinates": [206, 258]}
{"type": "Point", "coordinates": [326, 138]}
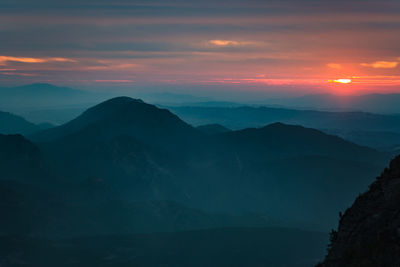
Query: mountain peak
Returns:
{"type": "Point", "coordinates": [122, 116]}
{"type": "Point", "coordinates": [121, 100]}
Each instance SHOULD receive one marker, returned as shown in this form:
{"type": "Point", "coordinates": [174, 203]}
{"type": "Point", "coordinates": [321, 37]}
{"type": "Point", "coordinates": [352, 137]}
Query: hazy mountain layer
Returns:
{"type": "Point", "coordinates": [137, 152]}
{"type": "Point", "coordinates": [374, 130]}
{"type": "Point", "coordinates": [13, 124]}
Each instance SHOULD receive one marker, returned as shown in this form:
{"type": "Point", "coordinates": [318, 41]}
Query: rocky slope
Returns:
{"type": "Point", "coordinates": [369, 231]}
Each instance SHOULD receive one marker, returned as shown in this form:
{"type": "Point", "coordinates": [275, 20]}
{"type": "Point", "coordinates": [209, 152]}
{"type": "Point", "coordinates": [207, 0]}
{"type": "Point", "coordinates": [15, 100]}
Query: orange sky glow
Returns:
{"type": "Point", "coordinates": [329, 48]}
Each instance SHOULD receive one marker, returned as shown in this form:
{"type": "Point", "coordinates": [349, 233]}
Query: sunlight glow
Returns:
{"type": "Point", "coordinates": [341, 81]}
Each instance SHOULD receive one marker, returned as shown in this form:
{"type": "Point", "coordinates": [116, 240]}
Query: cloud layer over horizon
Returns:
{"type": "Point", "coordinates": [252, 45]}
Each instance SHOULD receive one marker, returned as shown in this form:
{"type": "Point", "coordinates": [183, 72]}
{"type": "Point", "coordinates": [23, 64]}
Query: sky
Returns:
{"type": "Point", "coordinates": [209, 47]}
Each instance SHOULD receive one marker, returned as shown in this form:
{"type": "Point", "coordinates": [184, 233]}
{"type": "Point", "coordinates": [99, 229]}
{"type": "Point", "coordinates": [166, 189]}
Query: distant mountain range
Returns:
{"type": "Point", "coordinates": [375, 103]}
{"type": "Point", "coordinates": [43, 102]}
{"type": "Point", "coordinates": [58, 105]}
{"type": "Point", "coordinates": [247, 116]}
{"type": "Point", "coordinates": [378, 131]}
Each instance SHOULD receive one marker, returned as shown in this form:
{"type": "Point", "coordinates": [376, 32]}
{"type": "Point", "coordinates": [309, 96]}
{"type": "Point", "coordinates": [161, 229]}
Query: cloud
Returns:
{"type": "Point", "coordinates": [21, 59]}
{"type": "Point", "coordinates": [4, 59]}
{"type": "Point", "coordinates": [19, 74]}
{"type": "Point", "coordinates": [224, 42]}
{"type": "Point", "coordinates": [381, 64]}
{"type": "Point", "coordinates": [334, 65]}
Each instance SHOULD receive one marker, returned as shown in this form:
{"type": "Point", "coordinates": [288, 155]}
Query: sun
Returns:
{"type": "Point", "coordinates": [345, 81]}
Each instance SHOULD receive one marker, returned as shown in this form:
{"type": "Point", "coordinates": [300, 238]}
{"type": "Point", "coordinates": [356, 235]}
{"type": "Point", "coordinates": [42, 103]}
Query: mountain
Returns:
{"type": "Point", "coordinates": [284, 164]}
{"type": "Point", "coordinates": [36, 200]}
{"type": "Point", "coordinates": [360, 127]}
{"type": "Point", "coordinates": [250, 116]}
{"type": "Point", "coordinates": [280, 140]}
{"type": "Point", "coordinates": [13, 124]}
{"type": "Point", "coordinates": [138, 152]}
{"type": "Point", "coordinates": [124, 171]}
{"type": "Point", "coordinates": [123, 116]}
{"type": "Point", "coordinates": [212, 128]}
{"type": "Point", "coordinates": [137, 149]}
{"type": "Point", "coordinates": [368, 233]}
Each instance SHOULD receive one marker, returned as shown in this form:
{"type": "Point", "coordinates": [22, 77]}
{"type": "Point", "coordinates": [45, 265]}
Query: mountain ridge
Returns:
{"type": "Point", "coordinates": [369, 231]}
{"type": "Point", "coordinates": [14, 124]}
{"type": "Point", "coordinates": [126, 149]}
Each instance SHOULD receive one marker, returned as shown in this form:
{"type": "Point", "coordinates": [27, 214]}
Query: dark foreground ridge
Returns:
{"type": "Point", "coordinates": [369, 231]}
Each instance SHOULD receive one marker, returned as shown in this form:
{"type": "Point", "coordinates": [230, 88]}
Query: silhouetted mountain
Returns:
{"type": "Point", "coordinates": [368, 233]}
{"type": "Point", "coordinates": [212, 247]}
{"type": "Point", "coordinates": [12, 124]}
{"type": "Point", "coordinates": [139, 152]}
{"type": "Point", "coordinates": [366, 128]}
{"type": "Point", "coordinates": [247, 116]}
{"type": "Point", "coordinates": [284, 164]}
{"type": "Point", "coordinates": [279, 140]}
{"type": "Point", "coordinates": [213, 128]}
{"type": "Point", "coordinates": [123, 116]}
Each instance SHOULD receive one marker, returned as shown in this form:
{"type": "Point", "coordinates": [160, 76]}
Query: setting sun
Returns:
{"type": "Point", "coordinates": [341, 81]}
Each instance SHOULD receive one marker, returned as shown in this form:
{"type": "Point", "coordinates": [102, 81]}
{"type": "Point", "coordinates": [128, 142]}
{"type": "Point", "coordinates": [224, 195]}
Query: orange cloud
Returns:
{"type": "Point", "coordinates": [224, 42]}
{"type": "Point", "coordinates": [19, 74]}
{"type": "Point", "coordinates": [4, 59]}
{"type": "Point", "coordinates": [21, 59]}
{"type": "Point", "coordinates": [334, 66]}
{"type": "Point", "coordinates": [381, 64]}
{"type": "Point", "coordinates": [60, 59]}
